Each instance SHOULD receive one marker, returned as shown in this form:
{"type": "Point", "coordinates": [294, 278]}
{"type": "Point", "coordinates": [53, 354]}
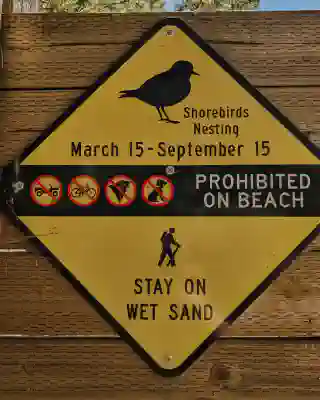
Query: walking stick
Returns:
{"type": "Point", "coordinates": [173, 255]}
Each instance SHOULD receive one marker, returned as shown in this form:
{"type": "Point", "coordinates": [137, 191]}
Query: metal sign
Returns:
{"type": "Point", "coordinates": [206, 193]}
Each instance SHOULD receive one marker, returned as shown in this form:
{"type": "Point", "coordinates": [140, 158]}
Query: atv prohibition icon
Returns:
{"type": "Point", "coordinates": [39, 191]}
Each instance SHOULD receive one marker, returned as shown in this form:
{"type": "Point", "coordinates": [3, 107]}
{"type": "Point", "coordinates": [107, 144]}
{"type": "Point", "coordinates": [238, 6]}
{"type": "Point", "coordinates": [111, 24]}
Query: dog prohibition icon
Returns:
{"type": "Point", "coordinates": [157, 191]}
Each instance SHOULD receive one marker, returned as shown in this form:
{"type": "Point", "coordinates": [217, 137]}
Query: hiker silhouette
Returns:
{"type": "Point", "coordinates": [168, 240]}
{"type": "Point", "coordinates": [165, 89]}
{"type": "Point", "coordinates": [120, 189]}
{"type": "Point", "coordinates": [155, 196]}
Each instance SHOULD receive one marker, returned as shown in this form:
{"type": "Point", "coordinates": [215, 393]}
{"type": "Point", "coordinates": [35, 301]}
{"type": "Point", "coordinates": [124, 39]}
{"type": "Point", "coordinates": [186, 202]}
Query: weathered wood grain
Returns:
{"type": "Point", "coordinates": [39, 65]}
{"type": "Point", "coordinates": [36, 300]}
{"type": "Point", "coordinates": [47, 52]}
{"type": "Point", "coordinates": [287, 53]}
{"type": "Point", "coordinates": [24, 115]}
{"type": "Point", "coordinates": [279, 53]}
{"type": "Point", "coordinates": [262, 27]}
{"type": "Point", "coordinates": [110, 370]}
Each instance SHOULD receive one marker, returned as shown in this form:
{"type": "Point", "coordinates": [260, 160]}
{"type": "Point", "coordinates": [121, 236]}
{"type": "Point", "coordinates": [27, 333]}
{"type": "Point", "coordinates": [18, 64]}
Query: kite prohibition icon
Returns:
{"type": "Point", "coordinates": [235, 189]}
{"type": "Point", "coordinates": [120, 191]}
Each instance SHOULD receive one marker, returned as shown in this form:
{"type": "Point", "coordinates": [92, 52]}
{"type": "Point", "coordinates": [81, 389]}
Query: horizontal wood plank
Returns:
{"type": "Point", "coordinates": [228, 371]}
{"type": "Point", "coordinates": [63, 65]}
{"type": "Point", "coordinates": [36, 46]}
{"type": "Point", "coordinates": [36, 300]}
{"type": "Point", "coordinates": [24, 115]}
{"type": "Point", "coordinates": [247, 27]}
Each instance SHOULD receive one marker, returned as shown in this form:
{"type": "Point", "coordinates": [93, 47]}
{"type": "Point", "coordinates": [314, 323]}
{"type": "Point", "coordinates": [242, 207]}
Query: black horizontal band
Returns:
{"type": "Point", "coordinates": [263, 190]}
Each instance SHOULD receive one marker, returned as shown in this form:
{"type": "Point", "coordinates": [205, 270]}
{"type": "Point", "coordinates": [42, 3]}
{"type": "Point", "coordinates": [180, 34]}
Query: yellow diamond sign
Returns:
{"type": "Point", "coordinates": [177, 193]}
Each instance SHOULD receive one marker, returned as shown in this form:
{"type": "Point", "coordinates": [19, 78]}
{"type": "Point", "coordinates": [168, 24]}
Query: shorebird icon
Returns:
{"type": "Point", "coordinates": [165, 89]}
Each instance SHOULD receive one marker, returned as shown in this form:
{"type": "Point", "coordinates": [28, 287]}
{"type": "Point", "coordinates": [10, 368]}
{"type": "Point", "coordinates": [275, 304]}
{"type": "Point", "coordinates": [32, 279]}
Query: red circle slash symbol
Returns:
{"type": "Point", "coordinates": [83, 190]}
{"type": "Point", "coordinates": [157, 191]}
{"type": "Point", "coordinates": [120, 191]}
{"type": "Point", "coordinates": [46, 190]}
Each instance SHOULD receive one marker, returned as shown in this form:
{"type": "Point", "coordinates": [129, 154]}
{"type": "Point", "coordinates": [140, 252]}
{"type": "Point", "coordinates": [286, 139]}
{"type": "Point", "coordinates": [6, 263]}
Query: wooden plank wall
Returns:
{"type": "Point", "coordinates": [52, 344]}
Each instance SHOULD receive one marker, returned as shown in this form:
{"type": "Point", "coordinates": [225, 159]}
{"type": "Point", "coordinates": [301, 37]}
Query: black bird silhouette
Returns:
{"type": "Point", "coordinates": [120, 190]}
{"type": "Point", "coordinates": [165, 89]}
{"type": "Point", "coordinates": [154, 196]}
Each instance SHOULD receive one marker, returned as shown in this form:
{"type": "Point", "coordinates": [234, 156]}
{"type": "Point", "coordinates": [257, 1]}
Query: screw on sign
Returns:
{"type": "Point", "coordinates": [46, 190]}
{"type": "Point", "coordinates": [120, 191]}
{"type": "Point", "coordinates": [157, 191]}
{"type": "Point", "coordinates": [83, 190]}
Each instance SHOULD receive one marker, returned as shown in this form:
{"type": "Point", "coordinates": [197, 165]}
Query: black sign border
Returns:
{"type": "Point", "coordinates": [179, 23]}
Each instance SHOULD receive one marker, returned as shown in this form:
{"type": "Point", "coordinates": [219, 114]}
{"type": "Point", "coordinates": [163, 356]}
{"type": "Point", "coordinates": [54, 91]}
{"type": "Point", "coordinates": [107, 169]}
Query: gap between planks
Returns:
{"type": "Point", "coordinates": [28, 251]}
{"type": "Point", "coordinates": [14, 251]}
{"type": "Point", "coordinates": [84, 88]}
{"type": "Point", "coordinates": [115, 337]}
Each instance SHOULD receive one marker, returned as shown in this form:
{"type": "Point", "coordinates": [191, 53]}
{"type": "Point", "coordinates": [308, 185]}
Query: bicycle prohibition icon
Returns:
{"type": "Point", "coordinates": [83, 190]}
